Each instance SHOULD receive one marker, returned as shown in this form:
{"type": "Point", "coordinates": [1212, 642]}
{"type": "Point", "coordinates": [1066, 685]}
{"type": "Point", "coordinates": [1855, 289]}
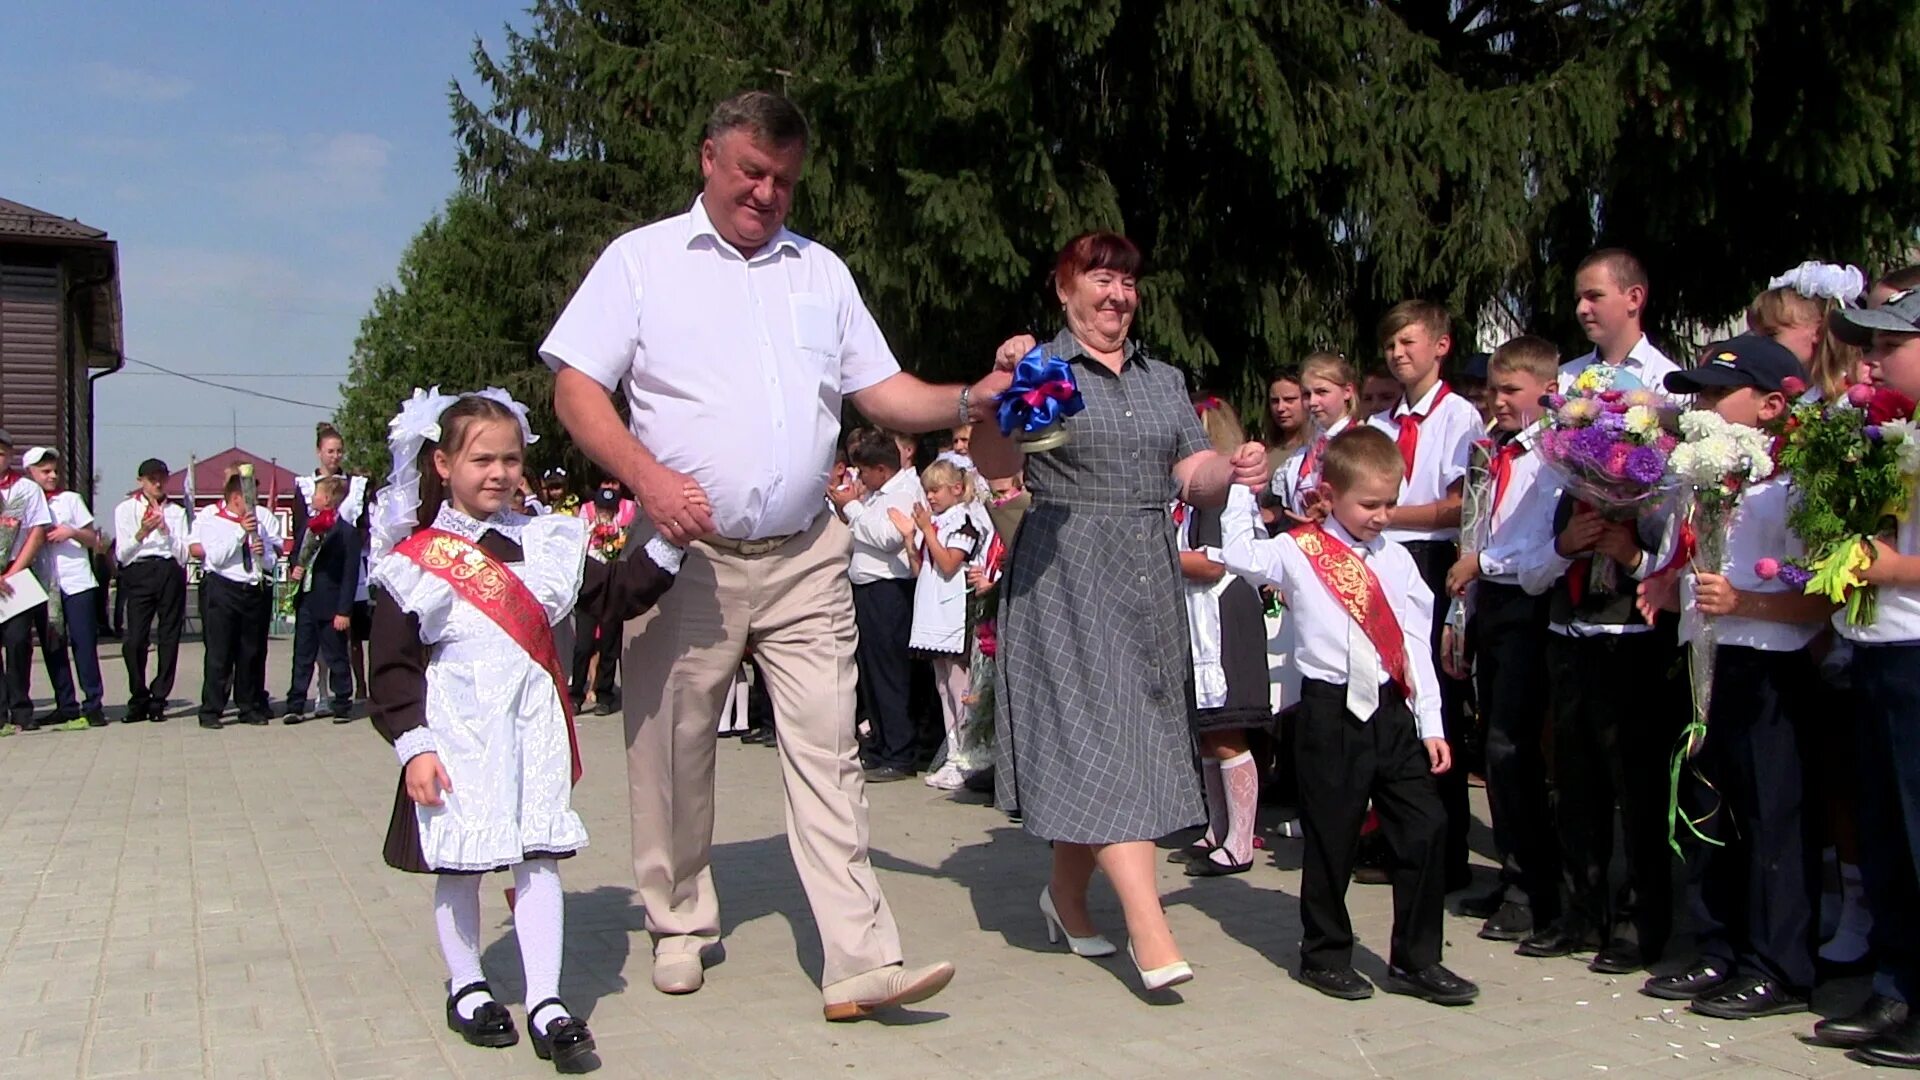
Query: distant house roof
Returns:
{"type": "Point", "coordinates": [19, 220]}
{"type": "Point", "coordinates": [210, 476]}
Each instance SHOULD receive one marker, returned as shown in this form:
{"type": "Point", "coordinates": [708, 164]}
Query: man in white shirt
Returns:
{"type": "Point", "coordinates": [150, 542]}
{"type": "Point", "coordinates": [23, 510]}
{"type": "Point", "coordinates": [1610, 290]}
{"type": "Point", "coordinates": [238, 549]}
{"type": "Point", "coordinates": [70, 644]}
{"type": "Point", "coordinates": [883, 583]}
{"type": "Point", "coordinates": [736, 341]}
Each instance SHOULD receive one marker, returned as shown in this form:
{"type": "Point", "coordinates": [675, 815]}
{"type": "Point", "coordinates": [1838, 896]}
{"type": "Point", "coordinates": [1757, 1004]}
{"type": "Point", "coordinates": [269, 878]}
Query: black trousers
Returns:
{"type": "Point", "coordinates": [1619, 705]}
{"type": "Point", "coordinates": [586, 646]}
{"type": "Point", "coordinates": [314, 636]}
{"type": "Point", "coordinates": [237, 621]}
{"type": "Point", "coordinates": [1510, 649]}
{"type": "Point", "coordinates": [16, 647]}
{"type": "Point", "coordinates": [883, 612]}
{"type": "Point", "coordinates": [1343, 764]}
{"type": "Point", "coordinates": [1887, 678]}
{"type": "Point", "coordinates": [156, 592]}
{"type": "Point", "coordinates": [1435, 558]}
{"type": "Point", "coordinates": [1753, 901]}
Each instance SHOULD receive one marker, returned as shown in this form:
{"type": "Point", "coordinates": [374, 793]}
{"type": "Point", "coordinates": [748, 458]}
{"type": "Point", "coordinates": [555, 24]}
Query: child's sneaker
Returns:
{"type": "Point", "coordinates": [947, 778]}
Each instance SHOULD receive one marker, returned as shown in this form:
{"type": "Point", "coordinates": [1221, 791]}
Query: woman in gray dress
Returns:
{"type": "Point", "coordinates": [1094, 695]}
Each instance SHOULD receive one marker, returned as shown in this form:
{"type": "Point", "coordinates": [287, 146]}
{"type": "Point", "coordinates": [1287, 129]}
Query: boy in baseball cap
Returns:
{"type": "Point", "coordinates": [1750, 361]}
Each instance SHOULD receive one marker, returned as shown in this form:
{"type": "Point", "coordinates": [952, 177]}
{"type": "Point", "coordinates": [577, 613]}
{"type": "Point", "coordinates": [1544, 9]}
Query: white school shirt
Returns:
{"type": "Point", "coordinates": [1289, 485]}
{"type": "Point", "coordinates": [1647, 364]}
{"type": "Point", "coordinates": [940, 603]}
{"type": "Point", "coordinates": [67, 564]}
{"type": "Point", "coordinates": [1542, 566]}
{"type": "Point", "coordinates": [1897, 607]}
{"type": "Point", "coordinates": [222, 540]}
{"type": "Point", "coordinates": [1758, 529]}
{"type": "Point", "coordinates": [1320, 621]}
{"type": "Point", "coordinates": [734, 366]}
{"type": "Point", "coordinates": [879, 551]}
{"type": "Point", "coordinates": [25, 499]}
{"type": "Point", "coordinates": [1515, 527]}
{"type": "Point", "coordinates": [1440, 458]}
{"type": "Point", "coordinates": [168, 544]}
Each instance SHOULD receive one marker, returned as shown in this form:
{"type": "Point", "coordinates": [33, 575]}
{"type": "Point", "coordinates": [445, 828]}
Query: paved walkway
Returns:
{"type": "Point", "coordinates": [177, 902]}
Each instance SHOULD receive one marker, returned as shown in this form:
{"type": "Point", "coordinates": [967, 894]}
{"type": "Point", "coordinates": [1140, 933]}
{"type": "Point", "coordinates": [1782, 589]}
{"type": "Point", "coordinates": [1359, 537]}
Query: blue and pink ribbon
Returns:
{"type": "Point", "coordinates": [1043, 393]}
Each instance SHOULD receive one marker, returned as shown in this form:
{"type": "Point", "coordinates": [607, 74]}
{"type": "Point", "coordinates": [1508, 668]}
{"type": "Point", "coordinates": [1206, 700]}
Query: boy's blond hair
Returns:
{"type": "Point", "coordinates": [1435, 318]}
{"type": "Point", "coordinates": [943, 473]}
{"type": "Point", "coordinates": [1357, 453]}
{"type": "Point", "coordinates": [1527, 353]}
{"type": "Point", "coordinates": [333, 487]}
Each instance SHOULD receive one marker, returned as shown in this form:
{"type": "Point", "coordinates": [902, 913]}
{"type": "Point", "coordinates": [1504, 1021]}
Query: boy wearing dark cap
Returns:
{"type": "Point", "coordinates": [150, 544]}
{"type": "Point", "coordinates": [604, 530]}
{"type": "Point", "coordinates": [23, 514]}
{"type": "Point", "coordinates": [1756, 887]}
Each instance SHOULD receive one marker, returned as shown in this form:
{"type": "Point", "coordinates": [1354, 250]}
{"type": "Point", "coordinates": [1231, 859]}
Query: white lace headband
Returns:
{"type": "Point", "coordinates": [394, 514]}
{"type": "Point", "coordinates": [1823, 281]}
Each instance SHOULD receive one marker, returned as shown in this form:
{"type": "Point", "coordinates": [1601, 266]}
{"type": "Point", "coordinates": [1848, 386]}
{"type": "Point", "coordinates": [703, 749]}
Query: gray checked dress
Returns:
{"type": "Point", "coordinates": [1094, 694]}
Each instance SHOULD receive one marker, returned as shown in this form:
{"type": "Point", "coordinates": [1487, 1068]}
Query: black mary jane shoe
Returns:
{"type": "Point", "coordinates": [566, 1042]}
{"type": "Point", "coordinates": [1208, 866]}
{"type": "Point", "coordinates": [492, 1024]}
{"type": "Point", "coordinates": [1197, 850]}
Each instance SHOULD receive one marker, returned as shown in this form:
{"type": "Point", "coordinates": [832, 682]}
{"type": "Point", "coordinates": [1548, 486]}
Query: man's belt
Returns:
{"type": "Point", "coordinates": [749, 547]}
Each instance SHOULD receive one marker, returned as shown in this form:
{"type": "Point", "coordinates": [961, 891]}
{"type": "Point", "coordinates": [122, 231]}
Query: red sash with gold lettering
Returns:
{"type": "Point", "coordinates": [1353, 583]}
{"type": "Point", "coordinates": [480, 580]}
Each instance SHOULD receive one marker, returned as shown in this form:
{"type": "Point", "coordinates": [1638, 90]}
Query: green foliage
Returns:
{"type": "Point", "coordinates": [1291, 169]}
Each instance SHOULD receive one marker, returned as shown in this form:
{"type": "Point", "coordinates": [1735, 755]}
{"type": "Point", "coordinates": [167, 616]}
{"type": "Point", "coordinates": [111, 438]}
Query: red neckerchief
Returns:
{"type": "Point", "coordinates": [1352, 582]}
{"type": "Point", "coordinates": [322, 521]}
{"type": "Point", "coordinates": [1409, 438]}
{"type": "Point", "coordinates": [222, 510]}
{"type": "Point", "coordinates": [1500, 467]}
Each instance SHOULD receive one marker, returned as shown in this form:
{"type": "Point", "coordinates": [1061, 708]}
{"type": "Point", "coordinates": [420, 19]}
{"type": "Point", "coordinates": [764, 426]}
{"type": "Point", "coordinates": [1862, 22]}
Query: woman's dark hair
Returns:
{"type": "Point", "coordinates": [323, 431]}
{"type": "Point", "coordinates": [456, 430]}
{"type": "Point", "coordinates": [1092, 251]}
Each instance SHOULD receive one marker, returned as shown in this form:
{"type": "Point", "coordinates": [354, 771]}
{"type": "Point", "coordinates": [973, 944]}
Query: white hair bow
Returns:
{"type": "Point", "coordinates": [1818, 280]}
{"type": "Point", "coordinates": [495, 393]}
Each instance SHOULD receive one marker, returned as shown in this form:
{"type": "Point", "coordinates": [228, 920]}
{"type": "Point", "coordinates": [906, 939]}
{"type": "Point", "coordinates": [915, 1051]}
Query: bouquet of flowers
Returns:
{"type": "Point", "coordinates": [1608, 441]}
{"type": "Point", "coordinates": [1854, 462]}
{"type": "Point", "coordinates": [606, 541]}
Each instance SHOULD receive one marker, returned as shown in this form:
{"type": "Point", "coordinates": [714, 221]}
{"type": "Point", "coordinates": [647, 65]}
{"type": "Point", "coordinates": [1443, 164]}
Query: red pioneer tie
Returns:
{"type": "Point", "coordinates": [1409, 439]}
{"type": "Point", "coordinates": [1502, 469]}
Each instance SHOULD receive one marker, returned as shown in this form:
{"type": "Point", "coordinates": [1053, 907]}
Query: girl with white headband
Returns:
{"type": "Point", "coordinates": [1793, 311]}
{"type": "Point", "coordinates": [467, 685]}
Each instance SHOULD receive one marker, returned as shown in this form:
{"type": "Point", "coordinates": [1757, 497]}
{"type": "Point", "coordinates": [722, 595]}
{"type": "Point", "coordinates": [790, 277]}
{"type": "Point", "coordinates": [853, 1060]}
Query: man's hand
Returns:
{"type": "Point", "coordinates": [1007, 356]}
{"type": "Point", "coordinates": [1713, 594]}
{"type": "Point", "coordinates": [426, 779]}
{"type": "Point", "coordinates": [1618, 542]}
{"type": "Point", "coordinates": [1439, 756]}
{"type": "Point", "coordinates": [1581, 534]}
{"type": "Point", "coordinates": [676, 504]}
{"type": "Point", "coordinates": [342, 623]}
{"type": "Point", "coordinates": [983, 407]}
{"type": "Point", "coordinates": [1463, 573]}
{"type": "Point", "coordinates": [1250, 466]}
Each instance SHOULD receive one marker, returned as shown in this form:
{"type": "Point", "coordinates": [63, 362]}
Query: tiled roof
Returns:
{"type": "Point", "coordinates": [18, 219]}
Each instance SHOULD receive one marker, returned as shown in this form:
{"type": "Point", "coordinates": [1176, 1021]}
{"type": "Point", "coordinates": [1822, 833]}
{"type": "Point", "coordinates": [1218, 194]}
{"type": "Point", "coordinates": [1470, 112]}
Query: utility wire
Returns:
{"type": "Point", "coordinates": [231, 389]}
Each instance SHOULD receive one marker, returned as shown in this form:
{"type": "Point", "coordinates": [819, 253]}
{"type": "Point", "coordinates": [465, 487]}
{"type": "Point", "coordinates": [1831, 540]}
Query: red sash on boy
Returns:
{"type": "Point", "coordinates": [480, 580]}
{"type": "Point", "coordinates": [1352, 582]}
{"type": "Point", "coordinates": [1409, 439]}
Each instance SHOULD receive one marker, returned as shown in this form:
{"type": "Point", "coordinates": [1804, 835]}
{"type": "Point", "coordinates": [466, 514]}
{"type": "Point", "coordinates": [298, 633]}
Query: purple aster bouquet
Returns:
{"type": "Point", "coordinates": [1608, 441]}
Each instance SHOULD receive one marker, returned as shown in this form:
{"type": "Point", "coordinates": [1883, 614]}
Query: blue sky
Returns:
{"type": "Point", "coordinates": [262, 166]}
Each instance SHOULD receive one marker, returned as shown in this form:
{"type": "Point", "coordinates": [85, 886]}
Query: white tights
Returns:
{"type": "Point", "coordinates": [539, 920]}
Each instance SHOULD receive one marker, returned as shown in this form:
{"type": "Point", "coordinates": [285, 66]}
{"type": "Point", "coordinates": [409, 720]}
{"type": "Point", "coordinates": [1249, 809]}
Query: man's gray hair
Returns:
{"type": "Point", "coordinates": [769, 118]}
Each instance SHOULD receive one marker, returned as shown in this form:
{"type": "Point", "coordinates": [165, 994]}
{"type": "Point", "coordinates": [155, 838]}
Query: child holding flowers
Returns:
{"type": "Point", "coordinates": [1757, 888]}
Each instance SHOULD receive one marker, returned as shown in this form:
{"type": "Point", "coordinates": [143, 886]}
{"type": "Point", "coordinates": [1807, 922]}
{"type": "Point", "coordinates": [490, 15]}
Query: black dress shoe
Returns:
{"type": "Point", "coordinates": [1343, 983]}
{"type": "Point", "coordinates": [1511, 922]}
{"type": "Point", "coordinates": [1484, 906]}
{"type": "Point", "coordinates": [1875, 1018]}
{"type": "Point", "coordinates": [1747, 998]}
{"type": "Point", "coordinates": [887, 774]}
{"type": "Point", "coordinates": [211, 722]}
{"type": "Point", "coordinates": [1618, 958]}
{"type": "Point", "coordinates": [1701, 979]}
{"type": "Point", "coordinates": [491, 1025]}
{"type": "Point", "coordinates": [1559, 939]}
{"type": "Point", "coordinates": [1435, 984]}
{"type": "Point", "coordinates": [135, 714]}
{"type": "Point", "coordinates": [1898, 1047]}
{"type": "Point", "coordinates": [255, 720]}
{"type": "Point", "coordinates": [566, 1042]}
{"type": "Point", "coordinates": [96, 719]}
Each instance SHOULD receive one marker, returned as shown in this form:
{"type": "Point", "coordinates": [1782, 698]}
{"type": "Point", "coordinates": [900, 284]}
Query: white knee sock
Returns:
{"type": "Point", "coordinates": [456, 915]}
{"type": "Point", "coordinates": [539, 920]}
{"type": "Point", "coordinates": [1216, 802]}
{"type": "Point", "coordinates": [1240, 781]}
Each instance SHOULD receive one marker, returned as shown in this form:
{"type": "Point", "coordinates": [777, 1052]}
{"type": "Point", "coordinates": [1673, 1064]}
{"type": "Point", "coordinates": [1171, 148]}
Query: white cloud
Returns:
{"type": "Point", "coordinates": [133, 84]}
{"type": "Point", "coordinates": [332, 171]}
{"type": "Point", "coordinates": [226, 281]}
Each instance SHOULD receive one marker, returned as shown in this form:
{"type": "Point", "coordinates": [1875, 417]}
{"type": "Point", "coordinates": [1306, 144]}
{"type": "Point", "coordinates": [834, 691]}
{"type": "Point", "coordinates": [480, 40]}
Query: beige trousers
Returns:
{"type": "Point", "coordinates": [794, 607]}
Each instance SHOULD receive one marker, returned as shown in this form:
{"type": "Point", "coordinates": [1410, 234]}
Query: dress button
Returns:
{"type": "Point", "coordinates": [1129, 412]}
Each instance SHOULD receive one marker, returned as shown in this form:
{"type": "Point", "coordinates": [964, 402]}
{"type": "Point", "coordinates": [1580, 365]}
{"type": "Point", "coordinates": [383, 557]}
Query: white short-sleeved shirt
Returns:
{"type": "Point", "coordinates": [1440, 458]}
{"type": "Point", "coordinates": [23, 499]}
{"type": "Point", "coordinates": [1645, 362]}
{"type": "Point", "coordinates": [66, 563]}
{"type": "Point", "coordinates": [734, 366]}
{"type": "Point", "coordinates": [1757, 530]}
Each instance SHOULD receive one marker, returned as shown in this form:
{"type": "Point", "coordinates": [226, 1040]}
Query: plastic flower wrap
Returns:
{"type": "Point", "coordinates": [1609, 441]}
{"type": "Point", "coordinates": [1043, 395]}
{"type": "Point", "coordinates": [1854, 463]}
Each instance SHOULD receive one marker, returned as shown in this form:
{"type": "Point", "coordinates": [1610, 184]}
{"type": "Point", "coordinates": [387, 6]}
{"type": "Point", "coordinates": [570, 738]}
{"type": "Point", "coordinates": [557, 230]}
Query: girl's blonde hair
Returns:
{"type": "Point", "coordinates": [946, 474]}
{"type": "Point", "coordinates": [1222, 423]}
{"type": "Point", "coordinates": [1833, 360]}
{"type": "Point", "coordinates": [1334, 368]}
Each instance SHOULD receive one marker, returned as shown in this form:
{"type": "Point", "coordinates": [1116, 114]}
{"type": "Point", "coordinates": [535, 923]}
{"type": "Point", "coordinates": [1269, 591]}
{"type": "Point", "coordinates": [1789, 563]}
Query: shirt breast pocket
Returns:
{"type": "Point", "coordinates": [816, 324]}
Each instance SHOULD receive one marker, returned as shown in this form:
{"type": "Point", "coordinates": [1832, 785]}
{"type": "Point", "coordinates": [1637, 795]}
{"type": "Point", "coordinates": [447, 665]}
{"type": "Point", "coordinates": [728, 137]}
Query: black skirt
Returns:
{"type": "Point", "coordinates": [1243, 655]}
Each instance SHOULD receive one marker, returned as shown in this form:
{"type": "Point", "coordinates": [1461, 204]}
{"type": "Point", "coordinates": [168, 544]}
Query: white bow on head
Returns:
{"type": "Point", "coordinates": [1823, 281]}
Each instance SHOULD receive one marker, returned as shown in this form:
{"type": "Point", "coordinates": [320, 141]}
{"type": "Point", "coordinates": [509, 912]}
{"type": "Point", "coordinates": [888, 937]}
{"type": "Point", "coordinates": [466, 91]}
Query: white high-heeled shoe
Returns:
{"type": "Point", "coordinates": [1092, 946]}
{"type": "Point", "coordinates": [1161, 978]}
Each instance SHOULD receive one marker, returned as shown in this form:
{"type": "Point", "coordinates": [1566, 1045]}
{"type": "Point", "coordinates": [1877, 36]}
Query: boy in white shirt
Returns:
{"type": "Point", "coordinates": [1370, 725]}
{"type": "Point", "coordinates": [66, 565]}
{"type": "Point", "coordinates": [1434, 429]}
{"type": "Point", "coordinates": [238, 548]}
{"type": "Point", "coordinates": [23, 506]}
{"type": "Point", "coordinates": [1610, 299]}
{"type": "Point", "coordinates": [150, 543]}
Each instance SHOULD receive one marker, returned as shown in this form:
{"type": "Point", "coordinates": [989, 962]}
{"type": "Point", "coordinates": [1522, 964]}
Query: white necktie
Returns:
{"type": "Point", "coordinates": [1363, 665]}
